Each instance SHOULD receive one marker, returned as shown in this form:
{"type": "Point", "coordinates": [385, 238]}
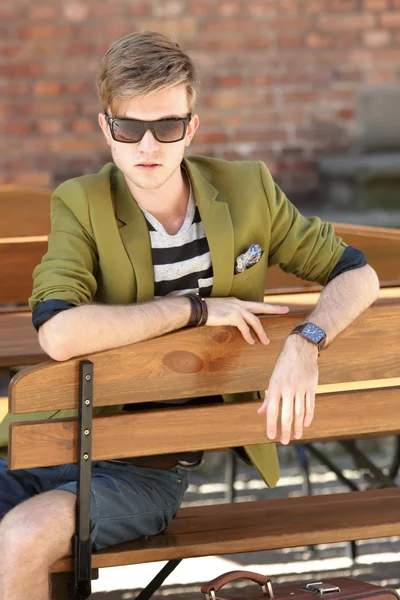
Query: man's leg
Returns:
{"type": "Point", "coordinates": [33, 536]}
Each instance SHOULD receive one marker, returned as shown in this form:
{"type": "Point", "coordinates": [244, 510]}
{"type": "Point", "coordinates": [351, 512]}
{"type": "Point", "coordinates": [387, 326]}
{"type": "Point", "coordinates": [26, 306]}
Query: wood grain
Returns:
{"type": "Point", "coordinates": [207, 361]}
{"type": "Point", "coordinates": [262, 525]}
{"type": "Point", "coordinates": [18, 340]}
{"type": "Point", "coordinates": [18, 258]}
{"type": "Point", "coordinates": [24, 211]}
{"type": "Point", "coordinates": [337, 416]}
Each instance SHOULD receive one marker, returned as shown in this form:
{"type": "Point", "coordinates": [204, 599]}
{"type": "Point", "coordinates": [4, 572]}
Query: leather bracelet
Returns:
{"type": "Point", "coordinates": [199, 311]}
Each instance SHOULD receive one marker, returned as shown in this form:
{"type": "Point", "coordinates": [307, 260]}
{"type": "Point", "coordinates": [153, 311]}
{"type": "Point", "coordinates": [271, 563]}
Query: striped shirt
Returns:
{"type": "Point", "coordinates": [181, 262]}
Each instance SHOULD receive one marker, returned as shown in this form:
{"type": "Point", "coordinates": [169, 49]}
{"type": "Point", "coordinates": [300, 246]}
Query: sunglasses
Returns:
{"type": "Point", "coordinates": [131, 131]}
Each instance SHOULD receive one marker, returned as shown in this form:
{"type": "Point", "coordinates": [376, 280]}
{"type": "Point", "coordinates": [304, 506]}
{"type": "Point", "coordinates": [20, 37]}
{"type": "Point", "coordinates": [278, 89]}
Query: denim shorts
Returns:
{"type": "Point", "coordinates": [127, 501]}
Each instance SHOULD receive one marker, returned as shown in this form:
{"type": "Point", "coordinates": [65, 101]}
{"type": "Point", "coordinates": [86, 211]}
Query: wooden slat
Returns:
{"type": "Point", "coordinates": [18, 258]}
{"type": "Point", "coordinates": [380, 245]}
{"type": "Point", "coordinates": [24, 211]}
{"type": "Point", "coordinates": [207, 361]}
{"type": "Point", "coordinates": [18, 340]}
{"type": "Point", "coordinates": [261, 525]}
{"type": "Point", "coordinates": [337, 416]}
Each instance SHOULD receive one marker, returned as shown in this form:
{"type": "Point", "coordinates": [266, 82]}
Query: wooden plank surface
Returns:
{"type": "Point", "coordinates": [261, 525]}
{"type": "Point", "coordinates": [207, 361]}
{"type": "Point", "coordinates": [24, 210]}
{"type": "Point", "coordinates": [18, 340]}
{"type": "Point", "coordinates": [18, 258]}
{"type": "Point", "coordinates": [337, 416]}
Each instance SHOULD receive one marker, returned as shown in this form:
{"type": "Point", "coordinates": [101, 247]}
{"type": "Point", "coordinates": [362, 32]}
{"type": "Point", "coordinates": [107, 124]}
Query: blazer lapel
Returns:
{"type": "Point", "coordinates": [216, 218]}
{"type": "Point", "coordinates": [136, 239]}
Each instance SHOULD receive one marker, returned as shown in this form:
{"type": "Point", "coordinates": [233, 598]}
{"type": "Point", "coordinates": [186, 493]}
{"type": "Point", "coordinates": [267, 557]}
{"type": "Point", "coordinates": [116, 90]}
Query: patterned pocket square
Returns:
{"type": "Point", "coordinates": [248, 259]}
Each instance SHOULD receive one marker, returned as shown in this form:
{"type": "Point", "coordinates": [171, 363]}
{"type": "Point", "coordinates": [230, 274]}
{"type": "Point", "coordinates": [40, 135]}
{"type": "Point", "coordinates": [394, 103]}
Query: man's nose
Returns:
{"type": "Point", "coordinates": [148, 142]}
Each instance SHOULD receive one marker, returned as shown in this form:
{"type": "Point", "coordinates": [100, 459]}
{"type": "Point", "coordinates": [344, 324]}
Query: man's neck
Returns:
{"type": "Point", "coordinates": [167, 201]}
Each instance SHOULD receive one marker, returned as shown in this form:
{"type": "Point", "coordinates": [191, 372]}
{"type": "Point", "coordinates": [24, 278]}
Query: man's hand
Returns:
{"type": "Point", "coordinates": [291, 391]}
{"type": "Point", "coordinates": [241, 314]}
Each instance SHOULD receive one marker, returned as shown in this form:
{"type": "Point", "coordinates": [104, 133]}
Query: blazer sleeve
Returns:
{"type": "Point", "coordinates": [300, 245]}
{"type": "Point", "coordinates": [68, 269]}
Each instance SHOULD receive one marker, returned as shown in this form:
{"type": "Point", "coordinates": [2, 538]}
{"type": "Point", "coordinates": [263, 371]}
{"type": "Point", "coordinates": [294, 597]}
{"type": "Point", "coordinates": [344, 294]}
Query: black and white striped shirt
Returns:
{"type": "Point", "coordinates": [182, 262]}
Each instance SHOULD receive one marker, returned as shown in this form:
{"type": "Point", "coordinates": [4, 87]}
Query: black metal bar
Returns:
{"type": "Point", "coordinates": [305, 468]}
{"type": "Point", "coordinates": [82, 550]}
{"type": "Point", "coordinates": [351, 546]}
{"type": "Point", "coordinates": [230, 476]}
{"type": "Point", "coordinates": [158, 580]}
{"type": "Point", "coordinates": [332, 467]}
{"type": "Point", "coordinates": [366, 465]}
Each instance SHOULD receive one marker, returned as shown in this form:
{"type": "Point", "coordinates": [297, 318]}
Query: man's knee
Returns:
{"type": "Point", "coordinates": [35, 529]}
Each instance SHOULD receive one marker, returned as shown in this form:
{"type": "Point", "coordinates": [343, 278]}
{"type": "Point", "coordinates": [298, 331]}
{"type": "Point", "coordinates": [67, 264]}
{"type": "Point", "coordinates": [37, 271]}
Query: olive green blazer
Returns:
{"type": "Point", "coordinates": [99, 246]}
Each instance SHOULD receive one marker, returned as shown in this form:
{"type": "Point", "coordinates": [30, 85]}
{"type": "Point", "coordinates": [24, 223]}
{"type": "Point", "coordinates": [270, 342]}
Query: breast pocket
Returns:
{"type": "Point", "coordinates": [250, 284]}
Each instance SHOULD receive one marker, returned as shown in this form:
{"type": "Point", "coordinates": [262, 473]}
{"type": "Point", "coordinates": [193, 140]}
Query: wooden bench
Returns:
{"type": "Point", "coordinates": [357, 397]}
{"type": "Point", "coordinates": [24, 210]}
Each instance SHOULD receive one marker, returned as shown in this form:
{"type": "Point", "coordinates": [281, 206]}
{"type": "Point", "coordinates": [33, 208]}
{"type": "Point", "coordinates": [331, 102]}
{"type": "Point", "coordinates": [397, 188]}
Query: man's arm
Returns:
{"type": "Point", "coordinates": [295, 377]}
{"type": "Point", "coordinates": [94, 327]}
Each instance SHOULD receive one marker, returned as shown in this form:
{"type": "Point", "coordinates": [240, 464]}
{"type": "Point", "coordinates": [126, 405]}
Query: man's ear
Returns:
{"type": "Point", "coordinates": [192, 128]}
{"type": "Point", "coordinates": [105, 128]}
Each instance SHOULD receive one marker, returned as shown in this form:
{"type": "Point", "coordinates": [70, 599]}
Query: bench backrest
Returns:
{"type": "Point", "coordinates": [380, 245]}
{"type": "Point", "coordinates": [24, 211]}
{"type": "Point", "coordinates": [19, 256]}
{"type": "Point", "coordinates": [205, 362]}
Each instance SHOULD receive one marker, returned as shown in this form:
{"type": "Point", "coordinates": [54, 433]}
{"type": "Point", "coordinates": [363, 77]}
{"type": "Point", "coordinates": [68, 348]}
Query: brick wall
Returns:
{"type": "Point", "coordinates": [279, 78]}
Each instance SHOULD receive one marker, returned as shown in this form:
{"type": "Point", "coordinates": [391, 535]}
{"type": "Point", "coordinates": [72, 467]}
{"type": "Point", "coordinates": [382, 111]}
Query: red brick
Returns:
{"type": "Point", "coordinates": [390, 19]}
{"type": "Point", "coordinates": [261, 8]}
{"type": "Point", "coordinates": [376, 4]}
{"type": "Point", "coordinates": [40, 32]}
{"type": "Point", "coordinates": [43, 12]}
{"type": "Point", "coordinates": [300, 97]}
{"type": "Point", "coordinates": [16, 88]}
{"type": "Point", "coordinates": [83, 125]}
{"type": "Point", "coordinates": [75, 11]}
{"type": "Point", "coordinates": [381, 76]}
{"type": "Point", "coordinates": [345, 22]}
{"type": "Point", "coordinates": [228, 8]}
{"type": "Point", "coordinates": [288, 42]}
{"type": "Point", "coordinates": [76, 144]}
{"type": "Point", "coordinates": [47, 88]}
{"type": "Point", "coordinates": [14, 51]}
{"type": "Point", "coordinates": [344, 5]}
{"type": "Point", "coordinates": [80, 49]}
{"type": "Point", "coordinates": [377, 38]}
{"type": "Point", "coordinates": [78, 88]}
{"type": "Point", "coordinates": [185, 27]}
{"type": "Point", "coordinates": [16, 128]}
{"type": "Point", "coordinates": [49, 126]}
{"type": "Point", "coordinates": [49, 108]}
{"type": "Point", "coordinates": [346, 114]}
{"type": "Point", "coordinates": [229, 81]}
{"type": "Point", "coordinates": [20, 70]}
{"type": "Point", "coordinates": [318, 40]}
{"type": "Point", "coordinates": [203, 137]}
{"type": "Point", "coordinates": [5, 109]}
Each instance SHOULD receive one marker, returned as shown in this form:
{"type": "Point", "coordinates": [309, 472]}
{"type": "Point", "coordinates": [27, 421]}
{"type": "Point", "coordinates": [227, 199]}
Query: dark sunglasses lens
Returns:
{"type": "Point", "coordinates": [169, 131]}
{"type": "Point", "coordinates": [127, 131]}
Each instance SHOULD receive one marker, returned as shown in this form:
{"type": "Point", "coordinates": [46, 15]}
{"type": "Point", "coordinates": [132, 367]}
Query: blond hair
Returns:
{"type": "Point", "coordinates": [141, 63]}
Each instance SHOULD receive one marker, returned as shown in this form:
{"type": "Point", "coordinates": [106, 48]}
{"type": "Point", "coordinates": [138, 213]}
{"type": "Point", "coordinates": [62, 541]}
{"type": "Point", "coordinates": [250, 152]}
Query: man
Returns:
{"type": "Point", "coordinates": [130, 248]}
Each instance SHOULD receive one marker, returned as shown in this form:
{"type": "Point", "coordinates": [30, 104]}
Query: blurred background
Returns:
{"type": "Point", "coordinates": [311, 87]}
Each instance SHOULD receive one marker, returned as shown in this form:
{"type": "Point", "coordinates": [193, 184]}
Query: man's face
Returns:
{"type": "Point", "coordinates": [148, 164]}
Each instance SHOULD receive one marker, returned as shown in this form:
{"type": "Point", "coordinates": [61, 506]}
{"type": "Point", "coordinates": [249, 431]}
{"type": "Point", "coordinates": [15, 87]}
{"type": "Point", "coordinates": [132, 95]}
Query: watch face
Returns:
{"type": "Point", "coordinates": [313, 333]}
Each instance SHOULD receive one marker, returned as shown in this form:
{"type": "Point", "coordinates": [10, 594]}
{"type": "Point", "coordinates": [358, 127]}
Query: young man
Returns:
{"type": "Point", "coordinates": [129, 249]}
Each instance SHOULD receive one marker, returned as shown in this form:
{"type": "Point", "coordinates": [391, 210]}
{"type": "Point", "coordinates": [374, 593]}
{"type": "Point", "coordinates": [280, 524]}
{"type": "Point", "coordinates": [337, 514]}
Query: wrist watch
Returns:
{"type": "Point", "coordinates": [312, 333]}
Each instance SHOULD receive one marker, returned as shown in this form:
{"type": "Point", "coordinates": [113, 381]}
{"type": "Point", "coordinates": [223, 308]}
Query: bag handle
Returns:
{"type": "Point", "coordinates": [218, 583]}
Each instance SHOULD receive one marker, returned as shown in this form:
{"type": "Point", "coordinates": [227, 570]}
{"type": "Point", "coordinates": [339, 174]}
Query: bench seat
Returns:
{"type": "Point", "coordinates": [261, 525]}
